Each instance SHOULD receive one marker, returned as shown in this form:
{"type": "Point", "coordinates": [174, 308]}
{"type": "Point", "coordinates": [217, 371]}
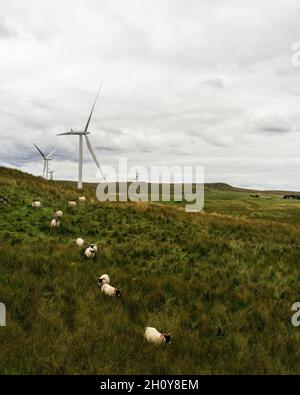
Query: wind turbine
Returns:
{"type": "Point", "coordinates": [51, 173]}
{"type": "Point", "coordinates": [46, 158]}
{"type": "Point", "coordinates": [84, 133]}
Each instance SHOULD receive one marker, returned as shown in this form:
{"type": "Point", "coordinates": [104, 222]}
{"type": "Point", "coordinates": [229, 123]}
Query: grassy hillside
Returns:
{"type": "Point", "coordinates": [224, 199]}
{"type": "Point", "coordinates": [222, 284]}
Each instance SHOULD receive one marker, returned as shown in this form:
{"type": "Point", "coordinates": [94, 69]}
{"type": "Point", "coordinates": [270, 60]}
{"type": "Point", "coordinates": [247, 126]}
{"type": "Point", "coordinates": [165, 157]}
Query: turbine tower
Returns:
{"type": "Point", "coordinates": [46, 158]}
{"type": "Point", "coordinates": [84, 133]}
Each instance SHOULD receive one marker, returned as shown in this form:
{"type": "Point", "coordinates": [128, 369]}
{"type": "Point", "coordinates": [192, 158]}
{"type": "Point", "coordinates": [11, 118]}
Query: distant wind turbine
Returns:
{"type": "Point", "coordinates": [46, 158]}
{"type": "Point", "coordinates": [51, 173]}
{"type": "Point", "coordinates": [84, 133]}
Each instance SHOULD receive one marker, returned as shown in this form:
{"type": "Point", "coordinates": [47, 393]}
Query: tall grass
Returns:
{"type": "Point", "coordinates": [223, 286]}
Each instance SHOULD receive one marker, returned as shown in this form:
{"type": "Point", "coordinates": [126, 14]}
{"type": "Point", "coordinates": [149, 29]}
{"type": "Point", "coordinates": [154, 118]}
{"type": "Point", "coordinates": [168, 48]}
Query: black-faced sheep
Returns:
{"type": "Point", "coordinates": [153, 336]}
{"type": "Point", "coordinates": [90, 252]}
{"type": "Point", "coordinates": [54, 224]}
{"type": "Point", "coordinates": [103, 279]}
{"type": "Point", "coordinates": [108, 290]}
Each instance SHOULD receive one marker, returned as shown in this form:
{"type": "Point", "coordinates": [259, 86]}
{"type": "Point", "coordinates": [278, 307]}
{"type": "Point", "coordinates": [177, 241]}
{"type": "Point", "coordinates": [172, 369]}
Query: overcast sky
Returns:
{"type": "Point", "coordinates": [208, 83]}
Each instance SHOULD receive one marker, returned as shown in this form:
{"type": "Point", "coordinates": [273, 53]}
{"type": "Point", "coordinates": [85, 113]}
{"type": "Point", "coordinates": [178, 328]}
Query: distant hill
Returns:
{"type": "Point", "coordinates": [209, 186]}
{"type": "Point", "coordinates": [216, 186]}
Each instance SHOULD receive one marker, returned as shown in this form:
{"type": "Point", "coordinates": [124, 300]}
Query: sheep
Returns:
{"type": "Point", "coordinates": [82, 199]}
{"type": "Point", "coordinates": [54, 224]}
{"type": "Point", "coordinates": [80, 242]}
{"type": "Point", "coordinates": [90, 251]}
{"type": "Point", "coordinates": [36, 204]}
{"type": "Point", "coordinates": [108, 290]}
{"type": "Point", "coordinates": [58, 214]}
{"type": "Point", "coordinates": [72, 203]}
{"type": "Point", "coordinates": [153, 336]}
{"type": "Point", "coordinates": [103, 279]}
{"type": "Point", "coordinates": [95, 248]}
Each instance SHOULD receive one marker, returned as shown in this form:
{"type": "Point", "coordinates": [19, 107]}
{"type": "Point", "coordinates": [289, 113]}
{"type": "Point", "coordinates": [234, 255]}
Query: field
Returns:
{"type": "Point", "coordinates": [222, 282]}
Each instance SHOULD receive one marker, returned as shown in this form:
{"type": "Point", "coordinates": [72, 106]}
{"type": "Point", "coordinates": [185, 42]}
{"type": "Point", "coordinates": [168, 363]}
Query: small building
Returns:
{"type": "Point", "coordinates": [294, 197]}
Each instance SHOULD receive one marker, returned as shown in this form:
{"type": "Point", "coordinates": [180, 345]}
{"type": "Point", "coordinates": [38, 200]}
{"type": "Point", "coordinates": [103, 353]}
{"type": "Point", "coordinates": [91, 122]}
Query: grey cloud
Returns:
{"type": "Point", "coordinates": [213, 141]}
{"type": "Point", "coordinates": [106, 149]}
{"type": "Point", "coordinates": [214, 82]}
{"type": "Point", "coordinates": [181, 81]}
{"type": "Point", "coordinates": [276, 128]}
{"type": "Point", "coordinates": [270, 123]}
{"type": "Point", "coordinates": [209, 139]}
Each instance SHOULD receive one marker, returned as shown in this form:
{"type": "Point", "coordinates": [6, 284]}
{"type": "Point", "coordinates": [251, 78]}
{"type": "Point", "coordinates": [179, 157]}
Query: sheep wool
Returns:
{"type": "Point", "coordinates": [153, 336]}
{"type": "Point", "coordinates": [90, 252]}
{"type": "Point", "coordinates": [36, 204]}
{"type": "Point", "coordinates": [58, 214]}
{"type": "Point", "coordinates": [80, 242]}
{"type": "Point", "coordinates": [72, 203]}
{"type": "Point", "coordinates": [82, 199]}
{"type": "Point", "coordinates": [55, 223]}
{"type": "Point", "coordinates": [103, 279]}
{"type": "Point", "coordinates": [108, 290]}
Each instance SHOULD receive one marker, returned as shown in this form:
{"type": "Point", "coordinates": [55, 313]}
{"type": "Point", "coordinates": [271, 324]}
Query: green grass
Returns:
{"type": "Point", "coordinates": [222, 282]}
{"type": "Point", "coordinates": [223, 199]}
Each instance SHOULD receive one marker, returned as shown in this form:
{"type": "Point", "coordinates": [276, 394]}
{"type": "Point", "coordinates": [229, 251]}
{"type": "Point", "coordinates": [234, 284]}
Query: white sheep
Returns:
{"type": "Point", "coordinates": [153, 336]}
{"type": "Point", "coordinates": [80, 242]}
{"type": "Point", "coordinates": [72, 203]}
{"type": "Point", "coordinates": [58, 214]}
{"type": "Point", "coordinates": [103, 279]}
{"type": "Point", "coordinates": [82, 199]}
{"type": "Point", "coordinates": [36, 204]}
{"type": "Point", "coordinates": [108, 290]}
{"type": "Point", "coordinates": [54, 224]}
{"type": "Point", "coordinates": [90, 251]}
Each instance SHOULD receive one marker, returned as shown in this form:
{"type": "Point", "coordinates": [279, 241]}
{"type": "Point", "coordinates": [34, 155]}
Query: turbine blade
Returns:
{"type": "Point", "coordinates": [52, 170]}
{"type": "Point", "coordinates": [65, 134]}
{"type": "Point", "coordinates": [90, 148]}
{"type": "Point", "coordinates": [88, 122]}
{"type": "Point", "coordinates": [39, 151]}
{"type": "Point", "coordinates": [51, 153]}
